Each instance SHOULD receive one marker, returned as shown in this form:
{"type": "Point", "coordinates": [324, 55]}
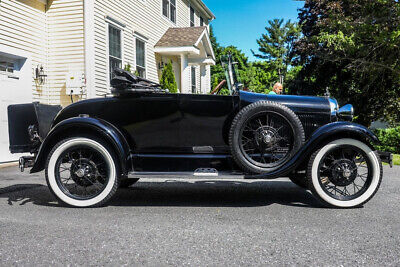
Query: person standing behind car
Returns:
{"type": "Point", "coordinates": [277, 90]}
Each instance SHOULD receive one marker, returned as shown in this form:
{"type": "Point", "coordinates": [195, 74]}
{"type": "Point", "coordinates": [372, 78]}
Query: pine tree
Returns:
{"type": "Point", "coordinates": [168, 79]}
{"type": "Point", "coordinates": [277, 44]}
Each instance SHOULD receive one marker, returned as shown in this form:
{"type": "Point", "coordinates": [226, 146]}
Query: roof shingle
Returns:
{"type": "Point", "coordinates": [177, 37]}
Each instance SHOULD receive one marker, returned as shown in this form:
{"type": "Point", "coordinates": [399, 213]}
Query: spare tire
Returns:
{"type": "Point", "coordinates": [264, 136]}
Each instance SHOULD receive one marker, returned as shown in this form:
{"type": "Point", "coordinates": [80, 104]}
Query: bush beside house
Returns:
{"type": "Point", "coordinates": [168, 79]}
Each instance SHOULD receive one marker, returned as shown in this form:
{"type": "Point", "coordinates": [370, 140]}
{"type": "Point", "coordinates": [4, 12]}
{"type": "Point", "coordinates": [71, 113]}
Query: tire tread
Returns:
{"type": "Point", "coordinates": [235, 153]}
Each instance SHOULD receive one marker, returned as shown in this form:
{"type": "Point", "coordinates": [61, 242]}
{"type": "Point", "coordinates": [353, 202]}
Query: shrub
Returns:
{"type": "Point", "coordinates": [390, 139]}
{"type": "Point", "coordinates": [127, 67]}
{"type": "Point", "coordinates": [168, 79]}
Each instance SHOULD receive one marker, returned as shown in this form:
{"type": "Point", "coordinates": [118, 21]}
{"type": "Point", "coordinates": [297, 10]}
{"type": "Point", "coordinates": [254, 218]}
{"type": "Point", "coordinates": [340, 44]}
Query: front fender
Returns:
{"type": "Point", "coordinates": [343, 129]}
{"type": "Point", "coordinates": [328, 132]}
{"type": "Point", "coordinates": [77, 125]}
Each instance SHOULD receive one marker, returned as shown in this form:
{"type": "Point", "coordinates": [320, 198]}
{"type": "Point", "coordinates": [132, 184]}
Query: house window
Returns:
{"type": "Point", "coordinates": [6, 66]}
{"type": "Point", "coordinates": [141, 58]}
{"type": "Point", "coordinates": [115, 49]}
{"type": "Point", "coordinates": [169, 9]}
{"type": "Point", "coordinates": [192, 17]}
{"type": "Point", "coordinates": [201, 21]}
{"type": "Point", "coordinates": [194, 91]}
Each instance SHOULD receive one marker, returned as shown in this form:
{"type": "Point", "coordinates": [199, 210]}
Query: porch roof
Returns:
{"type": "Point", "coordinates": [194, 41]}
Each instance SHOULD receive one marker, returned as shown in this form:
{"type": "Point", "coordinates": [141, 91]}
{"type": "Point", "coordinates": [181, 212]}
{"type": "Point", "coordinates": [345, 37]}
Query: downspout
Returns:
{"type": "Point", "coordinates": [89, 24]}
{"type": "Point", "coordinates": [47, 33]}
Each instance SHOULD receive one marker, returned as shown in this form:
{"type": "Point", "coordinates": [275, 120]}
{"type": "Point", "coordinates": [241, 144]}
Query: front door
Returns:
{"type": "Point", "coordinates": [15, 88]}
{"type": "Point", "coordinates": [205, 123]}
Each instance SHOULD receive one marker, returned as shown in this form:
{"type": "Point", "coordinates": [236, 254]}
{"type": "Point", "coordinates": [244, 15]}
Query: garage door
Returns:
{"type": "Point", "coordinates": [15, 88]}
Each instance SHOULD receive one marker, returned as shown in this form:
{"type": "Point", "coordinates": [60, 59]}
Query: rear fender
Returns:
{"type": "Point", "coordinates": [75, 126]}
{"type": "Point", "coordinates": [324, 134]}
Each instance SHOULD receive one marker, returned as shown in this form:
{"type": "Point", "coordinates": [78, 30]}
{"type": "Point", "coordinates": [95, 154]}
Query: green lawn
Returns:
{"type": "Point", "coordinates": [396, 159]}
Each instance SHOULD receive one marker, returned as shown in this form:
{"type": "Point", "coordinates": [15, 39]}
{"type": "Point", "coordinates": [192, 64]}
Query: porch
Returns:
{"type": "Point", "coordinates": [191, 54]}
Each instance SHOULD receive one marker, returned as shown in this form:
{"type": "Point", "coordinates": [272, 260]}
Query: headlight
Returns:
{"type": "Point", "coordinates": [334, 106]}
{"type": "Point", "coordinates": [346, 112]}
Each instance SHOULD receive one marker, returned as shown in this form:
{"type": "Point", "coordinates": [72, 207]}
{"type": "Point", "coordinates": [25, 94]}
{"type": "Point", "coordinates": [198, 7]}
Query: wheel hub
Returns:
{"type": "Point", "coordinates": [267, 137]}
{"type": "Point", "coordinates": [344, 172]}
{"type": "Point", "coordinates": [83, 172]}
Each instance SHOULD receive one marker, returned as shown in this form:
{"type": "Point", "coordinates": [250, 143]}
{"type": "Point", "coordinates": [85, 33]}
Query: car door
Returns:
{"type": "Point", "coordinates": [149, 120]}
{"type": "Point", "coordinates": [205, 122]}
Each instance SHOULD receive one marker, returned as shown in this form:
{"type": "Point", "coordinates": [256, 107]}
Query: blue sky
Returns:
{"type": "Point", "coordinates": [241, 23]}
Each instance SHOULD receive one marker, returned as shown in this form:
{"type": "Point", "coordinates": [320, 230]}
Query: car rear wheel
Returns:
{"type": "Point", "coordinates": [345, 173]}
{"type": "Point", "coordinates": [264, 136]}
{"type": "Point", "coordinates": [82, 172]}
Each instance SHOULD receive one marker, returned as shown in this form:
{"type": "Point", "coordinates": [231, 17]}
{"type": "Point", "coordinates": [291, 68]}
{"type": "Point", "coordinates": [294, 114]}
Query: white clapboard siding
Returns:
{"type": "Point", "coordinates": [66, 51]}
{"type": "Point", "coordinates": [54, 37]}
{"type": "Point", "coordinates": [144, 17]}
{"type": "Point", "coordinates": [23, 27]}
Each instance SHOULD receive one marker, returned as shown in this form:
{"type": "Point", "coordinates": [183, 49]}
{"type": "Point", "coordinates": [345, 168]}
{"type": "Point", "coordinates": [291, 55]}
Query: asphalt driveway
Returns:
{"type": "Point", "coordinates": [213, 223]}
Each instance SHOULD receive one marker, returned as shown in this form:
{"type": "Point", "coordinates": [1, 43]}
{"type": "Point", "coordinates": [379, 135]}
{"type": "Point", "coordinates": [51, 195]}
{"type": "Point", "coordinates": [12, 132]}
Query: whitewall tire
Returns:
{"type": "Point", "coordinates": [345, 173]}
{"type": "Point", "coordinates": [82, 172]}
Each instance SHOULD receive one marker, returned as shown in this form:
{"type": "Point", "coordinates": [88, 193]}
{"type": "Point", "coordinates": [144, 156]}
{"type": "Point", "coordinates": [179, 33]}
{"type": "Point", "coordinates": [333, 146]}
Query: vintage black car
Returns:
{"type": "Point", "coordinates": [91, 148]}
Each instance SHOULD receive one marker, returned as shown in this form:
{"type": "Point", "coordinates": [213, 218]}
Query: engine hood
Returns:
{"type": "Point", "coordinates": [299, 104]}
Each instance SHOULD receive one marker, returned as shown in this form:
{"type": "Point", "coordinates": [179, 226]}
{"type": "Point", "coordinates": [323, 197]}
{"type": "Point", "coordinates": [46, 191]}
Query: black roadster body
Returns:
{"type": "Point", "coordinates": [92, 147]}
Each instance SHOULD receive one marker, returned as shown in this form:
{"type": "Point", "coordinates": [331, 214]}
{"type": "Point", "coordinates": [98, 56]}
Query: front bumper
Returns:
{"type": "Point", "coordinates": [386, 157]}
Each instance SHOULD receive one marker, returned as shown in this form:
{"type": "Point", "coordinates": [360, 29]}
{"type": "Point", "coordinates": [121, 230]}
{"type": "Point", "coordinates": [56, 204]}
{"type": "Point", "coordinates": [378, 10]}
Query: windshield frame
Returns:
{"type": "Point", "coordinates": [230, 69]}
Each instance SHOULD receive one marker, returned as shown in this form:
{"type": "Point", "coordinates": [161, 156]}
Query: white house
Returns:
{"type": "Point", "coordinates": [46, 44]}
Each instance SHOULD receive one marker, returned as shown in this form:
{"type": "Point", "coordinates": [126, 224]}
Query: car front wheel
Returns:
{"type": "Point", "coordinates": [345, 173]}
{"type": "Point", "coordinates": [82, 172]}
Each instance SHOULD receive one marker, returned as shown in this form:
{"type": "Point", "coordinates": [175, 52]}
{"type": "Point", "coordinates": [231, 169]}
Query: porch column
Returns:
{"type": "Point", "coordinates": [204, 81]}
{"type": "Point", "coordinates": [185, 74]}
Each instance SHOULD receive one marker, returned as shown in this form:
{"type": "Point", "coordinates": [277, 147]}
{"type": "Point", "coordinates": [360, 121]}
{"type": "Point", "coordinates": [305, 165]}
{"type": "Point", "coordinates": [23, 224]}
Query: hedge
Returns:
{"type": "Point", "coordinates": [390, 139]}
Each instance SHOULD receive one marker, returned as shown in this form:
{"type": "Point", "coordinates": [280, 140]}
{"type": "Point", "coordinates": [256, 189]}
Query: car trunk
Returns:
{"type": "Point", "coordinates": [21, 117]}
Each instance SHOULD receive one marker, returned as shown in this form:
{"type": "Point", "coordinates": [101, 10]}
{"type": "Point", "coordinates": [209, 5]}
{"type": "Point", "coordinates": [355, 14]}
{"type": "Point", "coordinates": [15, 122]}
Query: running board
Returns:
{"type": "Point", "coordinates": [198, 174]}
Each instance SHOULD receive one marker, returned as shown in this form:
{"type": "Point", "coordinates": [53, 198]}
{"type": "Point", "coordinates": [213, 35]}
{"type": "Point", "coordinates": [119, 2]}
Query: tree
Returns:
{"type": "Point", "coordinates": [352, 47]}
{"type": "Point", "coordinates": [260, 77]}
{"type": "Point", "coordinates": [276, 45]}
{"type": "Point", "coordinates": [217, 71]}
{"type": "Point", "coordinates": [255, 76]}
{"type": "Point", "coordinates": [168, 79]}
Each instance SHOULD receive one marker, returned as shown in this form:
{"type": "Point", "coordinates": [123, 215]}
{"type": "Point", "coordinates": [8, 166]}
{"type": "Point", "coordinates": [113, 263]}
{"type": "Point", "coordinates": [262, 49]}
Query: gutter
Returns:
{"type": "Point", "coordinates": [206, 9]}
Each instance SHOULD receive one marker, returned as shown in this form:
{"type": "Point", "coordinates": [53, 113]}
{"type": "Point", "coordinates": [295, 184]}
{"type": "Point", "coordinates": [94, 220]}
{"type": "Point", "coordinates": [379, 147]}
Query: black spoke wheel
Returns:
{"type": "Point", "coordinates": [264, 136]}
{"type": "Point", "coordinates": [267, 139]}
{"type": "Point", "coordinates": [82, 172]}
{"type": "Point", "coordinates": [344, 173]}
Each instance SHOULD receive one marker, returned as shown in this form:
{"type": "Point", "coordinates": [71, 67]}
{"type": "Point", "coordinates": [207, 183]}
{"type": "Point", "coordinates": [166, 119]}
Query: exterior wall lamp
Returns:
{"type": "Point", "coordinates": [161, 65]}
{"type": "Point", "coordinates": [40, 76]}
